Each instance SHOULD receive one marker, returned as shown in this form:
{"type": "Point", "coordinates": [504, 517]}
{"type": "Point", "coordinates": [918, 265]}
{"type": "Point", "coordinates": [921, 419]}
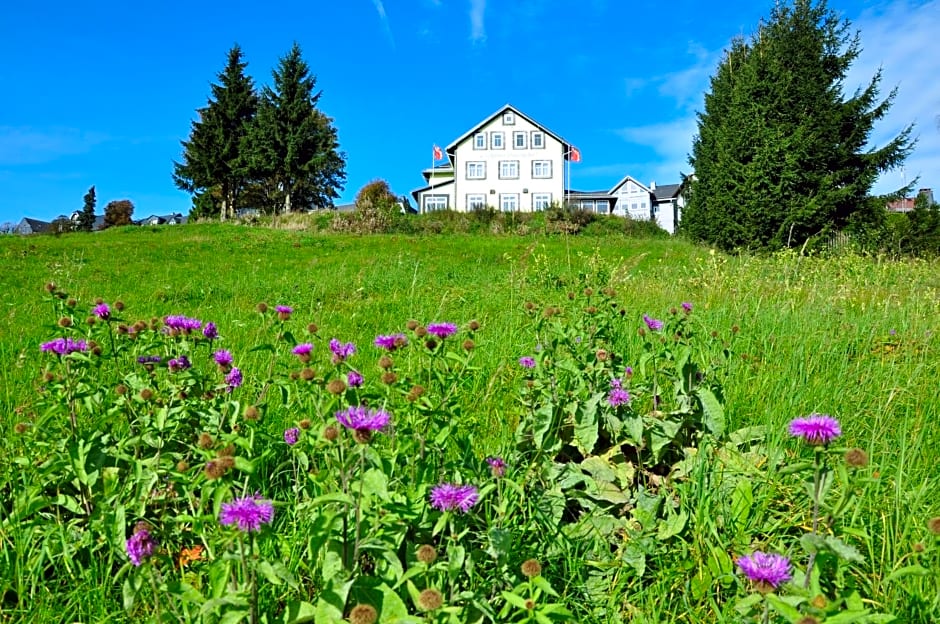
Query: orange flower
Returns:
{"type": "Point", "coordinates": [188, 555]}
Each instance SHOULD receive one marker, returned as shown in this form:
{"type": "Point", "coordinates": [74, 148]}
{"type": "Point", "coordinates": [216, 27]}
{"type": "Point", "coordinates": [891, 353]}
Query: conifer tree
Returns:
{"type": "Point", "coordinates": [782, 152]}
{"type": "Point", "coordinates": [292, 143]}
{"type": "Point", "coordinates": [213, 157]}
{"type": "Point", "coordinates": [86, 218]}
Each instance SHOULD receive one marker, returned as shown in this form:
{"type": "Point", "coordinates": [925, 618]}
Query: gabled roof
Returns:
{"type": "Point", "coordinates": [507, 107]}
{"type": "Point", "coordinates": [35, 225]}
{"type": "Point", "coordinates": [436, 186]}
{"type": "Point", "coordinates": [626, 179]}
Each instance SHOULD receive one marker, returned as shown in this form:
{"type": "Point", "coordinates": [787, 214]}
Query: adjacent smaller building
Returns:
{"type": "Point", "coordinates": [906, 204]}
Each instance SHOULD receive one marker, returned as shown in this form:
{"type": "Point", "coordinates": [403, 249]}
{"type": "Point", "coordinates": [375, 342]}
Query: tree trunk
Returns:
{"type": "Point", "coordinates": [287, 203]}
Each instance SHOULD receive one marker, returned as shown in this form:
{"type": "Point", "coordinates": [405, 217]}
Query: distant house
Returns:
{"type": "Point", "coordinates": [631, 198]}
{"type": "Point", "coordinates": [512, 163]}
{"type": "Point", "coordinates": [906, 204]}
{"type": "Point", "coordinates": [171, 219]}
{"type": "Point", "coordinates": [32, 226]}
{"type": "Point", "coordinates": [97, 226]}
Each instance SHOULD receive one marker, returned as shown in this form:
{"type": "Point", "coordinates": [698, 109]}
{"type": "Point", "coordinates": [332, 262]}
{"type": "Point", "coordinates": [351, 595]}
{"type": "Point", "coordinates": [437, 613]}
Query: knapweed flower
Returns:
{"type": "Point", "coordinates": [653, 324]}
{"type": "Point", "coordinates": [391, 342]}
{"type": "Point", "coordinates": [442, 330]}
{"type": "Point", "coordinates": [617, 396]}
{"type": "Point", "coordinates": [210, 331]}
{"type": "Point", "coordinates": [816, 429]}
{"type": "Point", "coordinates": [234, 379]}
{"type": "Point", "coordinates": [102, 311]}
{"type": "Point", "coordinates": [361, 418]}
{"type": "Point", "coordinates": [179, 363]}
{"type": "Point", "coordinates": [148, 359]}
{"type": "Point", "coordinates": [283, 312]}
{"type": "Point", "coordinates": [247, 513]}
{"type": "Point", "coordinates": [223, 357]}
{"type": "Point", "coordinates": [497, 466]}
{"type": "Point", "coordinates": [766, 570]}
{"type": "Point", "coordinates": [64, 346]}
{"type": "Point", "coordinates": [354, 379]}
{"type": "Point", "coordinates": [291, 436]}
{"type": "Point", "coordinates": [449, 496]}
{"type": "Point", "coordinates": [303, 351]}
{"type": "Point", "coordinates": [140, 546]}
{"type": "Point", "coordinates": [340, 350]}
{"type": "Point", "coordinates": [687, 307]}
{"type": "Point", "coordinates": [183, 324]}
{"type": "Point", "coordinates": [527, 362]}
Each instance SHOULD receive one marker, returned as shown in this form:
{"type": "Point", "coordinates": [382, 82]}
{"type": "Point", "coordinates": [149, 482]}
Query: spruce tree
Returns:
{"type": "Point", "coordinates": [86, 218]}
{"type": "Point", "coordinates": [293, 144]}
{"type": "Point", "coordinates": [213, 157]}
{"type": "Point", "coordinates": [782, 153]}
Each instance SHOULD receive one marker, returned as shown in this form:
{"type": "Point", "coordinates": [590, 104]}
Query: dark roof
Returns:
{"type": "Point", "coordinates": [666, 191]}
{"type": "Point", "coordinates": [33, 225]}
{"type": "Point", "coordinates": [586, 194]}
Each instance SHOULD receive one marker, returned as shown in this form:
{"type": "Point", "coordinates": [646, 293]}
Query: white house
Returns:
{"type": "Point", "coordinates": [512, 163]}
{"type": "Point", "coordinates": [508, 161]}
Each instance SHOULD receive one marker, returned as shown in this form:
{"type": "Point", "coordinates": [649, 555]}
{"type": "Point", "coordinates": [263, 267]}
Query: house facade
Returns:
{"type": "Point", "coordinates": [512, 163]}
{"type": "Point", "coordinates": [508, 162]}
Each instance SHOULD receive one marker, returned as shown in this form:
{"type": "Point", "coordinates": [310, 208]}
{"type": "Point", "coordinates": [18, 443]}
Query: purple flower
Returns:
{"type": "Point", "coordinates": [340, 350]}
{"type": "Point", "coordinates": [234, 379]}
{"type": "Point", "coordinates": [628, 372]}
{"type": "Point", "coordinates": [179, 363]}
{"type": "Point", "coordinates": [354, 379]}
{"type": "Point", "coordinates": [283, 312]}
{"type": "Point", "coordinates": [766, 570]}
{"type": "Point", "coordinates": [210, 331]}
{"type": "Point", "coordinates": [391, 342]}
{"type": "Point", "coordinates": [181, 323]}
{"type": "Point", "coordinates": [618, 396]}
{"type": "Point", "coordinates": [497, 466]}
{"type": "Point", "coordinates": [362, 418]}
{"type": "Point", "coordinates": [148, 359]}
{"type": "Point", "coordinates": [102, 311]}
{"type": "Point", "coordinates": [527, 362]}
{"type": "Point", "coordinates": [304, 348]}
{"type": "Point", "coordinates": [140, 546]}
{"type": "Point", "coordinates": [64, 346]}
{"type": "Point", "coordinates": [816, 429]}
{"type": "Point", "coordinates": [291, 436]}
{"type": "Point", "coordinates": [449, 496]}
{"type": "Point", "coordinates": [687, 307]}
{"type": "Point", "coordinates": [654, 324]}
{"type": "Point", "coordinates": [223, 358]}
{"type": "Point", "coordinates": [248, 513]}
{"type": "Point", "coordinates": [442, 330]}
{"type": "Point", "coordinates": [892, 331]}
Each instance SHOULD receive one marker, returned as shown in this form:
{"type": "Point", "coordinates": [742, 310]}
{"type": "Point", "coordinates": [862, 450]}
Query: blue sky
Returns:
{"type": "Point", "coordinates": [102, 93]}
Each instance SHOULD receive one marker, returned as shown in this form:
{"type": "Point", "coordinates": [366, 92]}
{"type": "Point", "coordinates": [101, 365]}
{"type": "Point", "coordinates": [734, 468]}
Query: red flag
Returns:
{"type": "Point", "coordinates": [438, 154]}
{"type": "Point", "coordinates": [574, 155]}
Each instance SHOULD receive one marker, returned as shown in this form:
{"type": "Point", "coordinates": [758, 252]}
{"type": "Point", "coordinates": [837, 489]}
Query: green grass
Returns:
{"type": "Point", "coordinates": [850, 336]}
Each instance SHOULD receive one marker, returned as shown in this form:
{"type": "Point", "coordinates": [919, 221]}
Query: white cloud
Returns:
{"type": "Point", "coordinates": [383, 16]}
{"type": "Point", "coordinates": [900, 38]}
{"type": "Point", "coordinates": [25, 145]}
{"type": "Point", "coordinates": [477, 28]}
{"type": "Point", "coordinates": [671, 141]}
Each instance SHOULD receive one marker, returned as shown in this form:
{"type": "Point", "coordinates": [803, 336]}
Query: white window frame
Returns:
{"type": "Point", "coordinates": [509, 170]}
{"type": "Point", "coordinates": [509, 202]}
{"type": "Point", "coordinates": [545, 199]}
{"type": "Point", "coordinates": [509, 119]}
{"type": "Point", "coordinates": [538, 140]}
{"type": "Point", "coordinates": [515, 140]}
{"type": "Point", "coordinates": [537, 164]}
{"type": "Point", "coordinates": [602, 203]}
{"type": "Point", "coordinates": [476, 201]}
{"type": "Point", "coordinates": [497, 137]}
{"type": "Point", "coordinates": [479, 141]}
{"type": "Point", "coordinates": [428, 199]}
{"type": "Point", "coordinates": [476, 170]}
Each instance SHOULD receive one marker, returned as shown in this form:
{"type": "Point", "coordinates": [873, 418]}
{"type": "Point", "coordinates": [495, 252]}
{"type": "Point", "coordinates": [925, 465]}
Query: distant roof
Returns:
{"type": "Point", "coordinates": [666, 191]}
{"type": "Point", "coordinates": [509, 107]}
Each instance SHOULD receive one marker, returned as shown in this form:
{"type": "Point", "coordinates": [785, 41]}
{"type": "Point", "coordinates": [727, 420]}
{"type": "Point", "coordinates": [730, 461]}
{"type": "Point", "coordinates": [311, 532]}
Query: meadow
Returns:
{"type": "Point", "coordinates": [497, 371]}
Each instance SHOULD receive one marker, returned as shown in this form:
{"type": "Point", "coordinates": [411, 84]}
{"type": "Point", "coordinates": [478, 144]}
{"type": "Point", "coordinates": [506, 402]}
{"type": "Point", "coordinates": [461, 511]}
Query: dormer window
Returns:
{"type": "Point", "coordinates": [509, 118]}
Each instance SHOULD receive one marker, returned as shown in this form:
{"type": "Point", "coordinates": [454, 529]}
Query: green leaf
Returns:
{"type": "Point", "coordinates": [673, 525]}
{"type": "Point", "coordinates": [847, 617]}
{"type": "Point", "coordinates": [332, 602]}
{"type": "Point", "coordinates": [713, 414]}
{"type": "Point", "coordinates": [586, 428]}
{"type": "Point", "coordinates": [783, 608]}
{"type": "Point", "coordinates": [910, 570]}
{"type": "Point", "coordinates": [843, 550]}
{"type": "Point", "coordinates": [742, 500]}
{"type": "Point", "coordinates": [299, 612]}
